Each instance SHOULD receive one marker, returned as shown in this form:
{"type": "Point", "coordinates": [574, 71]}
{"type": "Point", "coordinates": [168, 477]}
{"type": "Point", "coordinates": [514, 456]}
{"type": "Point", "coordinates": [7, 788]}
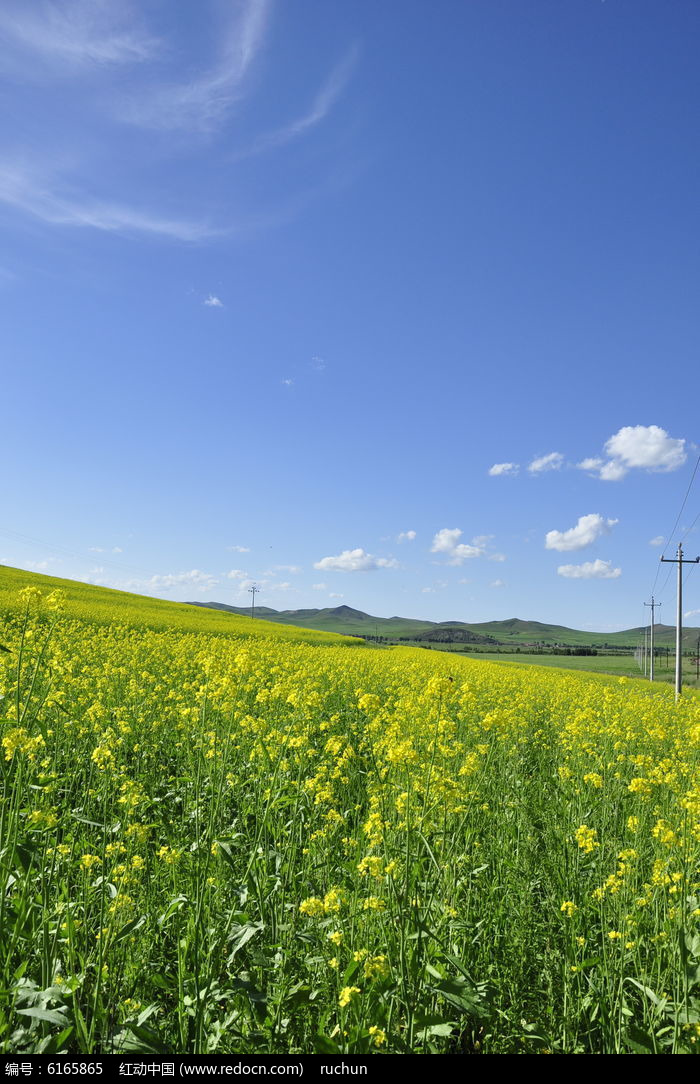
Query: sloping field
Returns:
{"type": "Point", "coordinates": [104, 606]}
{"type": "Point", "coordinates": [223, 842]}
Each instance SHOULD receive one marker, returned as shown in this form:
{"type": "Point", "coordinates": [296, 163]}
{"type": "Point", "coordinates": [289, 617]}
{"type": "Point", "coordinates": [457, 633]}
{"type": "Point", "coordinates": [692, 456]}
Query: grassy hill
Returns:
{"type": "Point", "coordinates": [104, 606]}
{"type": "Point", "coordinates": [512, 631]}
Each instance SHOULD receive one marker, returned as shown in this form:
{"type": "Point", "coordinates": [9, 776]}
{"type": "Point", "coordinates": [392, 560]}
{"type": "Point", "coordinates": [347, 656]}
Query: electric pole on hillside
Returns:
{"type": "Point", "coordinates": [680, 561]}
{"type": "Point", "coordinates": [653, 607]}
{"type": "Point", "coordinates": [253, 591]}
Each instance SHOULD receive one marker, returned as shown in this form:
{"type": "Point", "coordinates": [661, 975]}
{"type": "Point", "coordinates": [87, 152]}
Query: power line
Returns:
{"type": "Point", "coordinates": [669, 536]}
{"type": "Point", "coordinates": [76, 555]}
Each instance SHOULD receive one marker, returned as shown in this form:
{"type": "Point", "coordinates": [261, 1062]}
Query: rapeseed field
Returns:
{"type": "Point", "coordinates": [214, 840]}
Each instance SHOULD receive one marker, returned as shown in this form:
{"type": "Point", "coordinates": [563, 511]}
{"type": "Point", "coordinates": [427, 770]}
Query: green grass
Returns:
{"type": "Point", "coordinates": [595, 664]}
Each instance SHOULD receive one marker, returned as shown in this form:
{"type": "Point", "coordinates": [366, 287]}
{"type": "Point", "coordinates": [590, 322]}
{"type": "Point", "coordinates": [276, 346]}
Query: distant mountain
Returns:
{"type": "Point", "coordinates": [514, 630]}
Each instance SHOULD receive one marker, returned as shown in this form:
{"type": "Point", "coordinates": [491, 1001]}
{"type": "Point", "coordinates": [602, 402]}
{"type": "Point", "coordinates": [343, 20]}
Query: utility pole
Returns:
{"type": "Point", "coordinates": [253, 591]}
{"type": "Point", "coordinates": [653, 607]}
{"type": "Point", "coordinates": [680, 561]}
{"type": "Point", "coordinates": [646, 641]}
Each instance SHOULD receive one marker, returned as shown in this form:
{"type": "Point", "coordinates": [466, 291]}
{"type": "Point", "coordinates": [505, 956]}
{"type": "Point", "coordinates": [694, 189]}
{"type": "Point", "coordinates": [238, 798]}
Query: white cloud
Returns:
{"type": "Point", "coordinates": [691, 613]}
{"type": "Point", "coordinates": [203, 102]}
{"type": "Point", "coordinates": [641, 447]}
{"type": "Point", "coordinates": [194, 578]}
{"type": "Point", "coordinates": [589, 570]}
{"type": "Point", "coordinates": [498, 583]}
{"type": "Point", "coordinates": [239, 549]}
{"type": "Point", "coordinates": [333, 594]}
{"type": "Point", "coordinates": [77, 33]}
{"type": "Point", "coordinates": [320, 108]}
{"type": "Point", "coordinates": [237, 574]}
{"type": "Point", "coordinates": [295, 570]}
{"type": "Point", "coordinates": [586, 531]}
{"type": "Point", "coordinates": [288, 381]}
{"type": "Point", "coordinates": [355, 561]}
{"type": "Point", "coordinates": [319, 587]}
{"type": "Point", "coordinates": [657, 541]}
{"type": "Point", "coordinates": [447, 541]}
{"type": "Point", "coordinates": [406, 536]}
{"type": "Point", "coordinates": [497, 557]}
{"type": "Point", "coordinates": [553, 461]}
{"type": "Point", "coordinates": [612, 471]}
{"type": "Point", "coordinates": [105, 549]}
{"type": "Point", "coordinates": [213, 302]}
{"type": "Point", "coordinates": [504, 468]}
{"type": "Point", "coordinates": [648, 447]}
{"type": "Point", "coordinates": [46, 199]}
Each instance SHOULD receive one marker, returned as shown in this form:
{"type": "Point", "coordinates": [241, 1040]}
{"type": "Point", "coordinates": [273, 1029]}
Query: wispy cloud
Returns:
{"type": "Point", "coordinates": [321, 106]}
{"type": "Point", "coordinates": [26, 191]}
{"type": "Point", "coordinates": [112, 67]}
{"type": "Point", "coordinates": [213, 302]}
{"type": "Point", "coordinates": [406, 536]}
{"type": "Point", "coordinates": [76, 33]}
{"type": "Point", "coordinates": [203, 102]}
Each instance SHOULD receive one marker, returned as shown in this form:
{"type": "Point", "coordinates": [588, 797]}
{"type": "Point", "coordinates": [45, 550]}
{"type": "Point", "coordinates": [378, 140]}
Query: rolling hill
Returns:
{"type": "Point", "coordinates": [105, 606]}
{"type": "Point", "coordinates": [515, 631]}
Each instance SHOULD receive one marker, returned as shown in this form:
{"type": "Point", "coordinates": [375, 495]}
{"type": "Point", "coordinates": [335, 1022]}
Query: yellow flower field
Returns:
{"type": "Point", "coordinates": [267, 844]}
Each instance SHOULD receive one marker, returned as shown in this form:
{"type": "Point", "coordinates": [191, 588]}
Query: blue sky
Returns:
{"type": "Point", "coordinates": [283, 283]}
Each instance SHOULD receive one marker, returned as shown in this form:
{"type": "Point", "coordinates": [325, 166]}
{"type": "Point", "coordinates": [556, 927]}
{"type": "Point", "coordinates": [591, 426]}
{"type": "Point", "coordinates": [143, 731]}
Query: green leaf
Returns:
{"type": "Point", "coordinates": [84, 820]}
{"type": "Point", "coordinates": [55, 1044]}
{"type": "Point", "coordinates": [462, 995]}
{"type": "Point", "coordinates": [175, 905]}
{"type": "Point", "coordinates": [135, 924]}
{"type": "Point", "coordinates": [24, 853]}
{"type": "Point", "coordinates": [145, 1039]}
{"type": "Point", "coordinates": [640, 1041]}
{"type": "Point", "coordinates": [324, 1045]}
{"type": "Point", "coordinates": [242, 935]}
{"type": "Point", "coordinates": [52, 1016]}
